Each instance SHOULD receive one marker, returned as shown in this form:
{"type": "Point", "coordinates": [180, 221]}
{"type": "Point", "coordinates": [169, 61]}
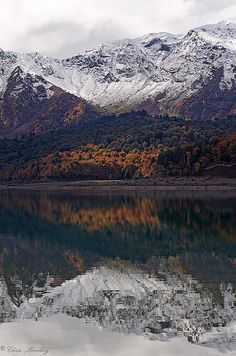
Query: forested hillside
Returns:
{"type": "Point", "coordinates": [127, 146]}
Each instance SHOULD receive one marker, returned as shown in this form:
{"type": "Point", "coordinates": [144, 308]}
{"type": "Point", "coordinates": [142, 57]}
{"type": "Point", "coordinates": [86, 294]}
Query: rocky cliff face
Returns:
{"type": "Point", "coordinates": [30, 103]}
{"type": "Point", "coordinates": [192, 75]}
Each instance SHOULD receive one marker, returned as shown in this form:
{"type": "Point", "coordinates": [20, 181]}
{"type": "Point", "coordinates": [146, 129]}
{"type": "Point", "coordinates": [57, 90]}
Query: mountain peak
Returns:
{"type": "Point", "coordinates": [159, 72]}
{"type": "Point", "coordinates": [17, 72]}
{"type": "Point", "coordinates": [220, 34]}
{"type": "Point", "coordinates": [226, 28]}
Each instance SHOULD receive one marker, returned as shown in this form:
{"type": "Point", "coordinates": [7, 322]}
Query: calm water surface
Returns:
{"type": "Point", "coordinates": [161, 265]}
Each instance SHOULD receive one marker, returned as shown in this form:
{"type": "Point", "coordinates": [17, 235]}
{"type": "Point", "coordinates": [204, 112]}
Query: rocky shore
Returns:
{"type": "Point", "coordinates": [160, 184]}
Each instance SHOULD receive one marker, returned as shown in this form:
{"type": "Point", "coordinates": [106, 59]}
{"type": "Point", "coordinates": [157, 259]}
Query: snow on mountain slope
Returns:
{"type": "Point", "coordinates": [118, 76]}
{"type": "Point", "coordinates": [30, 102]}
{"type": "Point", "coordinates": [20, 79]}
{"type": "Point", "coordinates": [163, 73]}
{"type": "Point", "coordinates": [161, 70]}
{"type": "Point", "coordinates": [8, 61]}
{"type": "Point", "coordinates": [194, 62]}
{"type": "Point", "coordinates": [199, 54]}
{"type": "Point", "coordinates": [222, 34]}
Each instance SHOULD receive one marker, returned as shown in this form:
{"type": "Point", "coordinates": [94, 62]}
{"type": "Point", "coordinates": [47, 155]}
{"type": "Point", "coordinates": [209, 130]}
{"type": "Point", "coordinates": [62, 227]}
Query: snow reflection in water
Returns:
{"type": "Point", "coordinates": [128, 300]}
{"type": "Point", "coordinates": [64, 255]}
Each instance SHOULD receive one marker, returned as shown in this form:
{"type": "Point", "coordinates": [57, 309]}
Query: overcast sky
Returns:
{"type": "Point", "coordinates": [65, 27]}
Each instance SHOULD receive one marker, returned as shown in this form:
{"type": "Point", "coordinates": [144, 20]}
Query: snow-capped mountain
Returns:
{"type": "Point", "coordinates": [190, 75]}
{"type": "Point", "coordinates": [30, 103]}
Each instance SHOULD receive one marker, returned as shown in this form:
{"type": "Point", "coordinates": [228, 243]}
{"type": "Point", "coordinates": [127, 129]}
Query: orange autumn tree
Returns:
{"type": "Point", "coordinates": [93, 162]}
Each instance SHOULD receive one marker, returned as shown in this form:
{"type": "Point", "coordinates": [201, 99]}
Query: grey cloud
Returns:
{"type": "Point", "coordinates": [213, 5]}
{"type": "Point", "coordinates": [62, 29]}
{"type": "Point", "coordinates": [74, 37]}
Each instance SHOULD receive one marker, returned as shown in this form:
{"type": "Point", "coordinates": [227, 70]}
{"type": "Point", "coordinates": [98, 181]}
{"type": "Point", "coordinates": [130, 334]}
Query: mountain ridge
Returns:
{"type": "Point", "coordinates": [191, 76]}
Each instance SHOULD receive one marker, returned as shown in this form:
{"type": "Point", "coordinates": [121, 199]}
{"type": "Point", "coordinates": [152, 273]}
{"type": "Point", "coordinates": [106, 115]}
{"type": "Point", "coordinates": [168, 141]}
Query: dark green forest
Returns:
{"type": "Point", "coordinates": [131, 145]}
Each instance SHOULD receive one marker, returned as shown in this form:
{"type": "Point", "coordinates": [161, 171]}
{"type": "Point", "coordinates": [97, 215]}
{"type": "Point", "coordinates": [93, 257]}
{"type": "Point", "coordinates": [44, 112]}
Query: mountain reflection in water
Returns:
{"type": "Point", "coordinates": [158, 264]}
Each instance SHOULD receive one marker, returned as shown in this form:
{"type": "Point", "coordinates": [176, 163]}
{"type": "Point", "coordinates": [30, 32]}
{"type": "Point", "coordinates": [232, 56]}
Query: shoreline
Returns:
{"type": "Point", "coordinates": [159, 184]}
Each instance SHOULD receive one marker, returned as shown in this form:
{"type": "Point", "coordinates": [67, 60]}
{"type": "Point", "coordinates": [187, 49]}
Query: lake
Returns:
{"type": "Point", "coordinates": [149, 269]}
